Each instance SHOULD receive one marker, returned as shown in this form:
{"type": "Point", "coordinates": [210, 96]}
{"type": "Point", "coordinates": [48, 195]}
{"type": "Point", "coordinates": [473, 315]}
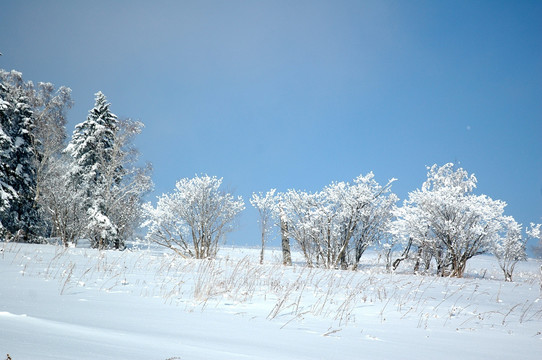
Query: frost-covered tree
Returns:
{"type": "Point", "coordinates": [50, 106]}
{"type": "Point", "coordinates": [124, 196]}
{"type": "Point", "coordinates": [18, 209]}
{"type": "Point", "coordinates": [372, 214]}
{"type": "Point", "coordinates": [63, 201]}
{"type": "Point", "coordinates": [194, 218]}
{"type": "Point", "coordinates": [510, 248]}
{"type": "Point", "coordinates": [297, 222]}
{"type": "Point", "coordinates": [447, 222]}
{"type": "Point", "coordinates": [266, 205]}
{"type": "Point", "coordinates": [410, 227]}
{"type": "Point", "coordinates": [334, 227]}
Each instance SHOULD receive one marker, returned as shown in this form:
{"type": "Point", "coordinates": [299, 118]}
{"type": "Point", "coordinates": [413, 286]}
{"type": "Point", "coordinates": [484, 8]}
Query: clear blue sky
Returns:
{"type": "Point", "coordinates": [296, 94]}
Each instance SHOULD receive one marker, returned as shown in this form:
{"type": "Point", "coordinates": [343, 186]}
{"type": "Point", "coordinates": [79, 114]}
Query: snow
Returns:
{"type": "Point", "coordinates": [19, 141]}
{"type": "Point", "coordinates": [77, 303]}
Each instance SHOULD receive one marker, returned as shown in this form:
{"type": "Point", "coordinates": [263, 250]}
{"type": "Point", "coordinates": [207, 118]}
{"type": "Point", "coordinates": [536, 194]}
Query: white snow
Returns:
{"type": "Point", "coordinates": [76, 303]}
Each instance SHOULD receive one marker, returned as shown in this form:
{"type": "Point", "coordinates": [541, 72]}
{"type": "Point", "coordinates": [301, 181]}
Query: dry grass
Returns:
{"type": "Point", "coordinates": [290, 294]}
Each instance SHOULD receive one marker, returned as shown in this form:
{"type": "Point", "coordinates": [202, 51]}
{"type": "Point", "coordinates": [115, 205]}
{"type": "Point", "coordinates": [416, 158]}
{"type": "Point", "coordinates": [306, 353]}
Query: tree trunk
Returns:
{"type": "Point", "coordinates": [388, 259]}
{"type": "Point", "coordinates": [263, 246]}
{"type": "Point", "coordinates": [418, 260]}
{"type": "Point", "coordinates": [507, 276]}
{"type": "Point", "coordinates": [403, 256]}
{"type": "Point", "coordinates": [286, 255]}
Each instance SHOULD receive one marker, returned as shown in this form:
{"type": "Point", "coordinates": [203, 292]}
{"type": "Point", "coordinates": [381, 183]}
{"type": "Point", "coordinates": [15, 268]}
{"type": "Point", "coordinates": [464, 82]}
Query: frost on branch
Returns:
{"type": "Point", "coordinates": [194, 218]}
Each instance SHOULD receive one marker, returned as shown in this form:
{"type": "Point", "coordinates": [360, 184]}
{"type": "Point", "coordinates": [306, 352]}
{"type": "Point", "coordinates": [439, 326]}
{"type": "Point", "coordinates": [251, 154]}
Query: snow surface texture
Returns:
{"type": "Point", "coordinates": [76, 303]}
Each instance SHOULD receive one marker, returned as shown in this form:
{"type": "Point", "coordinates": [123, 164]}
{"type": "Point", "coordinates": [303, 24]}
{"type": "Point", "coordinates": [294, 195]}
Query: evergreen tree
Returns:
{"type": "Point", "coordinates": [7, 193]}
{"type": "Point", "coordinates": [18, 209]}
{"type": "Point", "coordinates": [92, 150]}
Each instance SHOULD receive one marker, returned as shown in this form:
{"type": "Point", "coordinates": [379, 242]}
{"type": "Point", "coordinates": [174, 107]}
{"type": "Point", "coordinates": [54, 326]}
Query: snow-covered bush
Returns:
{"type": "Point", "coordinates": [194, 218]}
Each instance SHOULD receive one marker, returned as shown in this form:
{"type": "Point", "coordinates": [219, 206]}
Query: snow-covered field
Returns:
{"type": "Point", "coordinates": [79, 303]}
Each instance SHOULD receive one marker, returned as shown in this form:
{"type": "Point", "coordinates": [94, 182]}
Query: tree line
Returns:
{"type": "Point", "coordinates": [53, 187]}
{"type": "Point", "coordinates": [89, 186]}
{"type": "Point", "coordinates": [438, 227]}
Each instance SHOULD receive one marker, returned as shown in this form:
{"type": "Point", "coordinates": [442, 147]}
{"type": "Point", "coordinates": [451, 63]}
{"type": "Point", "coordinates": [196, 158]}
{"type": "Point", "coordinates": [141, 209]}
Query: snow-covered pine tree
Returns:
{"type": "Point", "coordinates": [7, 193]}
{"type": "Point", "coordinates": [19, 214]}
{"type": "Point", "coordinates": [91, 148]}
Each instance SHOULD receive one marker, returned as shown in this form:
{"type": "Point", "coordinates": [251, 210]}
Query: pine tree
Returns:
{"type": "Point", "coordinates": [18, 208]}
{"type": "Point", "coordinates": [91, 145]}
{"type": "Point", "coordinates": [7, 192]}
{"type": "Point", "coordinates": [91, 148]}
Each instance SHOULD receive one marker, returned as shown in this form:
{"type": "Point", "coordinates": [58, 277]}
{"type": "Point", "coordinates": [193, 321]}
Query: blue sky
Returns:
{"type": "Point", "coordinates": [296, 94]}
